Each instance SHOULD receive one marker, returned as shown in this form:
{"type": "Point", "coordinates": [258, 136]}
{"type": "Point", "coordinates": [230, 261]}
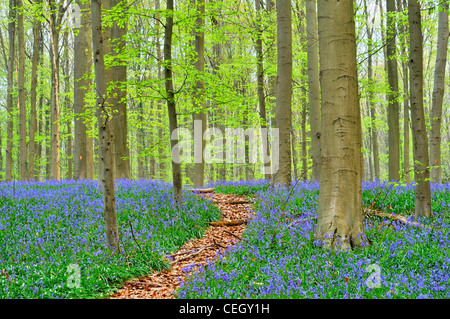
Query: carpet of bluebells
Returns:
{"type": "Point", "coordinates": [279, 257]}
{"type": "Point", "coordinates": [52, 235]}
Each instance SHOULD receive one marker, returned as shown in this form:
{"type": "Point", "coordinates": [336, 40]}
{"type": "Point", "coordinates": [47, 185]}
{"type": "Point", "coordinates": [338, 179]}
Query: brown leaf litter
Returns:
{"type": "Point", "coordinates": [235, 212]}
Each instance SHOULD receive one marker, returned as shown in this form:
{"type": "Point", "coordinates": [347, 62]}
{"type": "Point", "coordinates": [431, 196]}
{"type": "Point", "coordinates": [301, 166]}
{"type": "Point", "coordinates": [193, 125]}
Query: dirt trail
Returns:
{"type": "Point", "coordinates": [235, 210]}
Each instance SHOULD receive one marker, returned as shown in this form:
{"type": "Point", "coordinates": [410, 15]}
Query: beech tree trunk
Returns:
{"type": "Point", "coordinates": [119, 73]}
{"type": "Point", "coordinates": [260, 83]}
{"type": "Point", "coordinates": [420, 141]}
{"type": "Point", "coordinates": [283, 112]}
{"type": "Point", "coordinates": [393, 109]}
{"type": "Point", "coordinates": [83, 153]}
{"type": "Point", "coordinates": [339, 220]}
{"type": "Point", "coordinates": [401, 5]}
{"type": "Point", "coordinates": [103, 78]}
{"type": "Point", "coordinates": [372, 129]}
{"type": "Point", "coordinates": [313, 85]}
{"type": "Point", "coordinates": [199, 115]}
{"type": "Point", "coordinates": [438, 93]}
{"type": "Point", "coordinates": [21, 87]}
{"type": "Point", "coordinates": [170, 97]}
{"type": "Point", "coordinates": [33, 96]}
{"type": "Point", "coordinates": [9, 98]}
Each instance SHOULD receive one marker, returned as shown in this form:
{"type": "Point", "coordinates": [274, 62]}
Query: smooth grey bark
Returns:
{"type": "Point", "coordinates": [438, 93]}
{"type": "Point", "coordinates": [420, 141]}
{"type": "Point", "coordinates": [171, 105]}
{"type": "Point", "coordinates": [339, 222]}
{"type": "Point", "coordinates": [393, 108]}
{"type": "Point", "coordinates": [67, 105]}
{"type": "Point", "coordinates": [261, 84]}
{"type": "Point", "coordinates": [283, 112]}
{"type": "Point", "coordinates": [315, 119]}
{"type": "Point", "coordinates": [83, 152]}
{"type": "Point", "coordinates": [57, 11]}
{"type": "Point", "coordinates": [373, 131]}
{"type": "Point", "coordinates": [401, 6]}
{"type": "Point", "coordinates": [103, 78]}
{"type": "Point", "coordinates": [12, 15]}
{"type": "Point", "coordinates": [33, 97]}
{"type": "Point", "coordinates": [21, 89]}
{"type": "Point", "coordinates": [119, 73]}
{"type": "Point", "coordinates": [199, 116]}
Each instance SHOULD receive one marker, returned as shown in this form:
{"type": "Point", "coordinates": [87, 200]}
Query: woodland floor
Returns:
{"type": "Point", "coordinates": [235, 212]}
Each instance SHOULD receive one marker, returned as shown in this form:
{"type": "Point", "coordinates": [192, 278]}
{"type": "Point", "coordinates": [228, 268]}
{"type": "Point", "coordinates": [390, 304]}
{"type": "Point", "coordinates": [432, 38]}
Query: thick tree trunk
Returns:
{"type": "Point", "coordinates": [393, 109]}
{"type": "Point", "coordinates": [170, 97]}
{"type": "Point", "coordinates": [82, 147]}
{"type": "Point", "coordinates": [340, 204]}
{"type": "Point", "coordinates": [283, 113]}
{"type": "Point", "coordinates": [420, 141]}
{"type": "Point", "coordinates": [21, 87]}
{"type": "Point", "coordinates": [9, 97]}
{"type": "Point", "coordinates": [199, 115]}
{"type": "Point", "coordinates": [119, 73]}
{"type": "Point", "coordinates": [313, 85]}
{"type": "Point", "coordinates": [438, 93]}
{"type": "Point", "coordinates": [103, 78]}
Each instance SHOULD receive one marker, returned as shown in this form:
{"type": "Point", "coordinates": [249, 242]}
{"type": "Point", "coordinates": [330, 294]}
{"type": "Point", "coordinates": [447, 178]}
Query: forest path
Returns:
{"type": "Point", "coordinates": [235, 212]}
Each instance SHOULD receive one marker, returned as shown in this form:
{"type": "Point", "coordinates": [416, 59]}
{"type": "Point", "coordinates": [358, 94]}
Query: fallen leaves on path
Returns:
{"type": "Point", "coordinates": [235, 211]}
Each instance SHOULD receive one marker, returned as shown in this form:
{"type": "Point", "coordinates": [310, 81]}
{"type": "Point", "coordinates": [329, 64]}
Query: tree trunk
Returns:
{"type": "Point", "coordinates": [340, 204]}
{"type": "Point", "coordinates": [313, 85]}
{"type": "Point", "coordinates": [393, 109]}
{"type": "Point", "coordinates": [373, 129]}
{"type": "Point", "coordinates": [284, 91]}
{"type": "Point", "coordinates": [199, 115]}
{"type": "Point", "coordinates": [9, 98]}
{"type": "Point", "coordinates": [82, 156]}
{"type": "Point", "coordinates": [420, 141]}
{"type": "Point", "coordinates": [438, 93]}
{"type": "Point", "coordinates": [21, 87]}
{"type": "Point", "coordinates": [401, 5]}
{"type": "Point", "coordinates": [55, 172]}
{"type": "Point", "coordinates": [33, 96]}
{"type": "Point", "coordinates": [170, 97]}
{"type": "Point", "coordinates": [103, 78]}
{"type": "Point", "coordinates": [260, 84]}
{"type": "Point", "coordinates": [119, 73]}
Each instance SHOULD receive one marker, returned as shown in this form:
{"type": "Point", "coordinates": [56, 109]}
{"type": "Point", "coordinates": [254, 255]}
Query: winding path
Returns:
{"type": "Point", "coordinates": [235, 210]}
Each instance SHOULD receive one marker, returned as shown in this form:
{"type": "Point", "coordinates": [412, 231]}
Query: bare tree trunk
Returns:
{"type": "Point", "coordinates": [260, 80]}
{"type": "Point", "coordinates": [438, 93]}
{"type": "Point", "coordinates": [9, 98]}
{"type": "Point", "coordinates": [373, 129]}
{"type": "Point", "coordinates": [82, 157]}
{"type": "Point", "coordinates": [67, 105]}
{"type": "Point", "coordinates": [401, 5]}
{"type": "Point", "coordinates": [420, 141]}
{"type": "Point", "coordinates": [33, 96]}
{"type": "Point", "coordinates": [313, 85]}
{"type": "Point", "coordinates": [199, 115]}
{"type": "Point", "coordinates": [284, 91]}
{"type": "Point", "coordinates": [119, 73]}
{"type": "Point", "coordinates": [340, 204]}
{"type": "Point", "coordinates": [55, 172]}
{"type": "Point", "coordinates": [21, 86]}
{"type": "Point", "coordinates": [170, 97]}
{"type": "Point", "coordinates": [393, 109]}
{"type": "Point", "coordinates": [103, 78]}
